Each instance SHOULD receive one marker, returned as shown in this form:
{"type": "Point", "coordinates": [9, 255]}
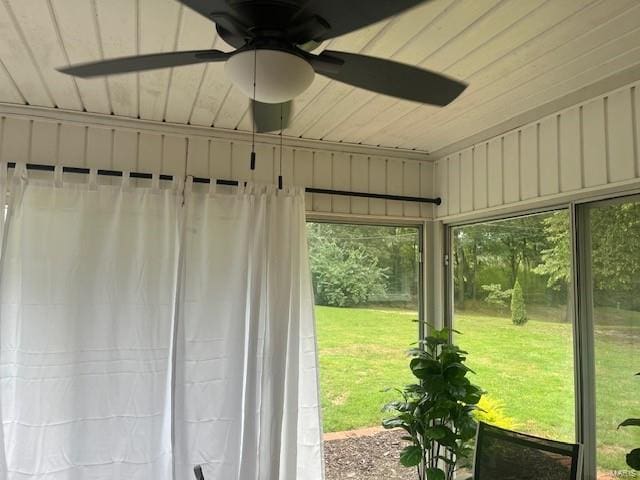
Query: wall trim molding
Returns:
{"type": "Point", "coordinates": [30, 112]}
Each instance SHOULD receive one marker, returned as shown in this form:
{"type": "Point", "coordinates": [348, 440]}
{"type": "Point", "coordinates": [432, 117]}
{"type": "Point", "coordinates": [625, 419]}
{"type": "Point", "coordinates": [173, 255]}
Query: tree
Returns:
{"type": "Point", "coordinates": [518, 310]}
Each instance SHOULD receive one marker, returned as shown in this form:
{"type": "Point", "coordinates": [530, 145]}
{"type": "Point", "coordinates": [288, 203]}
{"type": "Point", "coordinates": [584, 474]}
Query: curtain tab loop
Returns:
{"type": "Point", "coordinates": [125, 181]}
{"type": "Point", "coordinates": [57, 176]}
{"type": "Point", "coordinates": [93, 179]}
{"type": "Point", "coordinates": [155, 182]}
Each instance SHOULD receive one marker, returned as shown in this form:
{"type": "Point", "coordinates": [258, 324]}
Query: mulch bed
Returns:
{"type": "Point", "coordinates": [371, 457]}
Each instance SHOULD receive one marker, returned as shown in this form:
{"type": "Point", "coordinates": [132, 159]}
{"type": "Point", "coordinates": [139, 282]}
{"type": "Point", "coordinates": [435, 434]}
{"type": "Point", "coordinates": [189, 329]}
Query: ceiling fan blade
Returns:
{"type": "Point", "coordinates": [347, 16]}
{"type": "Point", "coordinates": [388, 77]}
{"type": "Point", "coordinates": [267, 116]}
{"type": "Point", "coordinates": [139, 63]}
{"type": "Point", "coordinates": [207, 7]}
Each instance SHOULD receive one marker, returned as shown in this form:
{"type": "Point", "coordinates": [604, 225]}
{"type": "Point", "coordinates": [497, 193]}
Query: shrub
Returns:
{"type": "Point", "coordinates": [497, 296]}
{"type": "Point", "coordinates": [344, 277]}
{"type": "Point", "coordinates": [518, 310]}
{"type": "Point", "coordinates": [492, 411]}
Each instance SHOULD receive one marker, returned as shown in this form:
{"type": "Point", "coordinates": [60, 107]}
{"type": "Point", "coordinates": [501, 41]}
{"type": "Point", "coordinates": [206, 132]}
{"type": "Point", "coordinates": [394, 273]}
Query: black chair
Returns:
{"type": "Point", "coordinates": [197, 471]}
{"type": "Point", "coordinates": [505, 455]}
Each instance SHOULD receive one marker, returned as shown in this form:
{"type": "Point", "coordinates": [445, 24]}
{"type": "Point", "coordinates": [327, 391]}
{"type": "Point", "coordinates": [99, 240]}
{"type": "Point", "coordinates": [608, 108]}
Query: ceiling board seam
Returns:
{"type": "Point", "coordinates": [56, 28]}
{"type": "Point", "coordinates": [224, 100]}
{"type": "Point", "coordinates": [202, 77]}
{"type": "Point", "coordinates": [441, 126]}
{"type": "Point", "coordinates": [14, 84]}
{"type": "Point", "coordinates": [423, 60]}
{"type": "Point", "coordinates": [27, 47]}
{"type": "Point", "coordinates": [369, 43]}
{"type": "Point", "coordinates": [171, 70]}
{"type": "Point", "coordinates": [138, 33]}
{"type": "Point", "coordinates": [96, 25]}
{"type": "Point", "coordinates": [511, 52]}
{"type": "Point", "coordinates": [483, 68]}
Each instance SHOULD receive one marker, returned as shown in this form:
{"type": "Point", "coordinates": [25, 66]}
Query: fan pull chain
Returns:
{"type": "Point", "coordinates": [253, 106]}
{"type": "Point", "coordinates": [281, 128]}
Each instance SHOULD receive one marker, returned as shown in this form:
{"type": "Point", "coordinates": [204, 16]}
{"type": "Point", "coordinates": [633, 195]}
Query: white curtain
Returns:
{"type": "Point", "coordinates": [139, 338]}
{"type": "Point", "coordinates": [246, 384]}
{"type": "Point", "coordinates": [86, 291]}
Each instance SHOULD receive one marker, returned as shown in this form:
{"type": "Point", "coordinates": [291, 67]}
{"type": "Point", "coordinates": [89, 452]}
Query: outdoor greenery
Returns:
{"type": "Point", "coordinates": [633, 457]}
{"type": "Point", "coordinates": [354, 264]}
{"type": "Point", "coordinates": [518, 310]}
{"type": "Point", "coordinates": [528, 377]}
{"type": "Point", "coordinates": [436, 411]}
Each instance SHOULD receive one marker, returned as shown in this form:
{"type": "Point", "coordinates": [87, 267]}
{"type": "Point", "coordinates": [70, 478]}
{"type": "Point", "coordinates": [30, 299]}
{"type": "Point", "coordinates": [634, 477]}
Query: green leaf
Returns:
{"type": "Point", "coordinates": [633, 459]}
{"type": "Point", "coordinates": [423, 367]}
{"type": "Point", "coordinates": [630, 422]}
{"type": "Point", "coordinates": [411, 456]}
{"type": "Point", "coordinates": [435, 474]}
{"type": "Point", "coordinates": [436, 433]}
{"type": "Point", "coordinates": [393, 423]}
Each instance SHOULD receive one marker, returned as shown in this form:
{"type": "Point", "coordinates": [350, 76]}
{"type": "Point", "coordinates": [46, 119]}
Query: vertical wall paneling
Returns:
{"type": "Point", "coordinates": [198, 156]}
{"type": "Point", "coordinates": [72, 145]}
{"type": "Point", "coordinates": [529, 162]}
{"type": "Point", "coordinates": [570, 151]}
{"type": "Point", "coordinates": [360, 183]}
{"type": "Point", "coordinates": [466, 180]}
{"type": "Point", "coordinates": [620, 141]}
{"type": "Point", "coordinates": [220, 160]}
{"type": "Point", "coordinates": [442, 186]}
{"type": "Point", "coordinates": [174, 154]}
{"type": "Point", "coordinates": [149, 152]}
{"type": "Point", "coordinates": [125, 150]}
{"type": "Point", "coordinates": [480, 176]}
{"type": "Point", "coordinates": [16, 134]}
{"type": "Point", "coordinates": [44, 143]}
{"type": "Point", "coordinates": [511, 167]}
{"type": "Point", "coordinates": [156, 150]}
{"type": "Point", "coordinates": [594, 143]}
{"type": "Point", "coordinates": [426, 187]}
{"type": "Point", "coordinates": [394, 185]}
{"type": "Point", "coordinates": [303, 172]}
{"type": "Point", "coordinates": [589, 146]}
{"type": "Point", "coordinates": [377, 184]}
{"type": "Point", "coordinates": [98, 148]}
{"type": "Point", "coordinates": [341, 172]}
{"type": "Point", "coordinates": [411, 187]}
{"type": "Point", "coordinates": [454, 183]}
{"type": "Point", "coordinates": [548, 145]}
{"type": "Point", "coordinates": [494, 172]}
{"type": "Point", "coordinates": [322, 178]}
{"type": "Point", "coordinates": [265, 163]}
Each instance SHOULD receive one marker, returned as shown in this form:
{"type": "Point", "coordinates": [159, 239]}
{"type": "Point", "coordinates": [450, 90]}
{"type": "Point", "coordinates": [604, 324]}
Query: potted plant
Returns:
{"type": "Point", "coordinates": [437, 411]}
{"type": "Point", "coordinates": [633, 457]}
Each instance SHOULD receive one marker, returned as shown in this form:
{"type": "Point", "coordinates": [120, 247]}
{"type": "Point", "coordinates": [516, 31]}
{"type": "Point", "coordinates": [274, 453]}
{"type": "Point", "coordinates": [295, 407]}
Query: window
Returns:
{"type": "Point", "coordinates": [510, 296]}
{"type": "Point", "coordinates": [612, 278]}
{"type": "Point", "coordinates": [366, 285]}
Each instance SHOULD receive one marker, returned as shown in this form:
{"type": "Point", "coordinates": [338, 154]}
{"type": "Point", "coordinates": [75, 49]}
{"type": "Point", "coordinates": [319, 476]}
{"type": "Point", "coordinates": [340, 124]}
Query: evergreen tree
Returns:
{"type": "Point", "coordinates": [518, 310]}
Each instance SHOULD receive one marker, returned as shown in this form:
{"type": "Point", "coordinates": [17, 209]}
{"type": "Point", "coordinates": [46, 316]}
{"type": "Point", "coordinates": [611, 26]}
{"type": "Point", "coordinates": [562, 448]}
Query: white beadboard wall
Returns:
{"type": "Point", "coordinates": [37, 139]}
{"type": "Point", "coordinates": [586, 149]}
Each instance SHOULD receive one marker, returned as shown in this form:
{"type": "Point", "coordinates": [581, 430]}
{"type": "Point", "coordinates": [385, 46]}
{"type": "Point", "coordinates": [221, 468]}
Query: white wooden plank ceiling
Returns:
{"type": "Point", "coordinates": [516, 55]}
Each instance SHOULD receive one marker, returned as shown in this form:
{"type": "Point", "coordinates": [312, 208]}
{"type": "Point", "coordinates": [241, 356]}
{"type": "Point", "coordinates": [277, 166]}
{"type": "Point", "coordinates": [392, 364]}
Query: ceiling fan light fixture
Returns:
{"type": "Point", "coordinates": [280, 76]}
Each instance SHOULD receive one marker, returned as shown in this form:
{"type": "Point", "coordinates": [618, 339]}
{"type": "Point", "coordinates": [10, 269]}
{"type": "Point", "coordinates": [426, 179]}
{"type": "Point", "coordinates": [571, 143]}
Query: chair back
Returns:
{"type": "Point", "coordinates": [505, 455]}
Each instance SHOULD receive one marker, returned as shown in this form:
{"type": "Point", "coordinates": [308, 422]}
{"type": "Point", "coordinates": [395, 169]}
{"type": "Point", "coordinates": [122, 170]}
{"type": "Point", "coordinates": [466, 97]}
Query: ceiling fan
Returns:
{"type": "Point", "coordinates": [272, 63]}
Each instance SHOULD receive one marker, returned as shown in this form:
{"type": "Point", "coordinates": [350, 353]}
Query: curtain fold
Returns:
{"type": "Point", "coordinates": [86, 292]}
{"type": "Point", "coordinates": [139, 337]}
{"type": "Point", "coordinates": [246, 337]}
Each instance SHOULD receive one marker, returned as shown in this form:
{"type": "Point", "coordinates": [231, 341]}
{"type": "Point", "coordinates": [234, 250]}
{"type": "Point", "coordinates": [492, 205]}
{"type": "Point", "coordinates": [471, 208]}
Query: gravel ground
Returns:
{"type": "Point", "coordinates": [374, 457]}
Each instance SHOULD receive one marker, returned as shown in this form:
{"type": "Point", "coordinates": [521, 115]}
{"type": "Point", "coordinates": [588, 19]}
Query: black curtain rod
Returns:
{"type": "Point", "coordinates": [233, 183]}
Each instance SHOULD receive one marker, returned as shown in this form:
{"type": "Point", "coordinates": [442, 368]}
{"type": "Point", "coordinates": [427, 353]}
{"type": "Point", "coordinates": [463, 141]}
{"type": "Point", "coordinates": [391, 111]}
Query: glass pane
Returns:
{"type": "Point", "coordinates": [614, 245]}
{"type": "Point", "coordinates": [511, 288]}
{"type": "Point", "coordinates": [366, 289]}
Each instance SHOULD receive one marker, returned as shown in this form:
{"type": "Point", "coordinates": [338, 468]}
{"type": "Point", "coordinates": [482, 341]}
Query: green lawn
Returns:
{"type": "Point", "coordinates": [529, 369]}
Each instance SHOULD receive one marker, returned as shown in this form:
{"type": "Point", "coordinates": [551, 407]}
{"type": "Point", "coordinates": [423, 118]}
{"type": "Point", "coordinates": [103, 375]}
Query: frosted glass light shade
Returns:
{"type": "Point", "coordinates": [280, 76]}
